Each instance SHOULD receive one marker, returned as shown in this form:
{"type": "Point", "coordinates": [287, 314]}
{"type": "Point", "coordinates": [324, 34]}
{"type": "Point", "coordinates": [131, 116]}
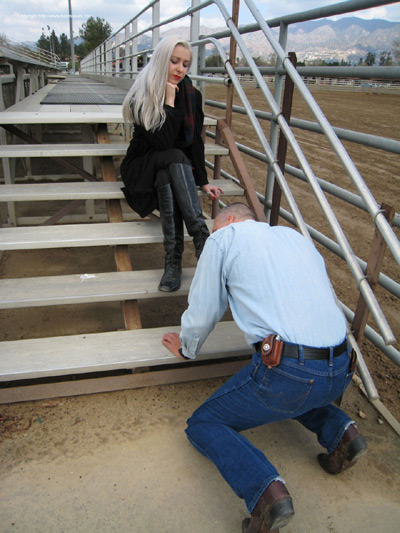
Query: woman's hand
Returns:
{"type": "Point", "coordinates": [212, 190]}
{"type": "Point", "coordinates": [170, 92]}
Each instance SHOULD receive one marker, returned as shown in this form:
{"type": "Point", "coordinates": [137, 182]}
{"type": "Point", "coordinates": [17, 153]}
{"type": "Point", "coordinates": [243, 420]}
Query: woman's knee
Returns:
{"type": "Point", "coordinates": [173, 155]}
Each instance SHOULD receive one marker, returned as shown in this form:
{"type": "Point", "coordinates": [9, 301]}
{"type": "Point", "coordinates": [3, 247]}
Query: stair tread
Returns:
{"type": "Point", "coordinates": [86, 190]}
{"type": "Point", "coordinates": [97, 352]}
{"type": "Point", "coordinates": [87, 288]}
{"type": "Point", "coordinates": [82, 150]}
{"type": "Point", "coordinates": [79, 235]}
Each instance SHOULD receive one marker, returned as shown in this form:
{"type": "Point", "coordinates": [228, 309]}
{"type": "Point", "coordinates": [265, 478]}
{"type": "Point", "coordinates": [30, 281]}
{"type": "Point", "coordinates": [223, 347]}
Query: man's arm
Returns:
{"type": "Point", "coordinates": [208, 300]}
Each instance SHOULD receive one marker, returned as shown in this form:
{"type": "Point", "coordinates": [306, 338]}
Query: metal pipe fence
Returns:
{"type": "Point", "coordinates": [386, 282]}
{"type": "Point", "coordinates": [385, 229]}
{"type": "Point", "coordinates": [323, 73]}
{"type": "Point", "coordinates": [365, 139]}
{"type": "Point", "coordinates": [122, 55]}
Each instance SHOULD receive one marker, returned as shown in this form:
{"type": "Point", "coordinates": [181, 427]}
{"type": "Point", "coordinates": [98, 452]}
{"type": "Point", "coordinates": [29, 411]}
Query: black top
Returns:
{"type": "Point", "coordinates": [138, 169]}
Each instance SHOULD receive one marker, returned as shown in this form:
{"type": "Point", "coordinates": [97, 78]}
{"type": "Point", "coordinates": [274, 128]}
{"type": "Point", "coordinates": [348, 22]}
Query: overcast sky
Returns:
{"type": "Point", "coordinates": [23, 20]}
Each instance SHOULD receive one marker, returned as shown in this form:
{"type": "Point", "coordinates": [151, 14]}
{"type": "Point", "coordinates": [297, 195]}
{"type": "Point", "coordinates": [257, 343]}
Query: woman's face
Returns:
{"type": "Point", "coordinates": [179, 64]}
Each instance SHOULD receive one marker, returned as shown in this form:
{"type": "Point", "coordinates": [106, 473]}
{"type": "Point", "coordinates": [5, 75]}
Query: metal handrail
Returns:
{"type": "Point", "coordinates": [362, 282]}
{"type": "Point", "coordinates": [38, 54]}
{"type": "Point", "coordinates": [341, 8]}
{"type": "Point", "coordinates": [365, 139]}
{"type": "Point", "coordinates": [284, 67]}
{"type": "Point", "coordinates": [332, 246]}
{"type": "Point", "coordinates": [378, 73]}
{"type": "Point", "coordinates": [373, 208]}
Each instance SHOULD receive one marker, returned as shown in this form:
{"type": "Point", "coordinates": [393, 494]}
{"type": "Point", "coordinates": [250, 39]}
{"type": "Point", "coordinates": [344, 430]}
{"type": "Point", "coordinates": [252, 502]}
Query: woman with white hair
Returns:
{"type": "Point", "coordinates": [164, 163]}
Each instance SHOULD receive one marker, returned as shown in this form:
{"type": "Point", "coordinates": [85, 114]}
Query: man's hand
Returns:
{"type": "Point", "coordinates": [173, 343]}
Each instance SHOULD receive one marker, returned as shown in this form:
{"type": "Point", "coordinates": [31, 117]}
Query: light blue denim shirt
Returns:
{"type": "Point", "coordinates": [274, 281]}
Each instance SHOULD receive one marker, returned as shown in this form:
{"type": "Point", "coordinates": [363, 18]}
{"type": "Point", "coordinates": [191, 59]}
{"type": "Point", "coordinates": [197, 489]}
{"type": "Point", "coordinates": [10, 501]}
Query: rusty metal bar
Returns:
{"type": "Point", "coordinates": [232, 60]}
{"type": "Point", "coordinates": [282, 145]}
{"type": "Point", "coordinates": [374, 266]}
{"type": "Point", "coordinates": [241, 170]}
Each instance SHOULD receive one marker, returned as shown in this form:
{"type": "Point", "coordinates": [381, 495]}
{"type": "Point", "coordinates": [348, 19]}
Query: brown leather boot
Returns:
{"type": "Point", "coordinates": [273, 510]}
{"type": "Point", "coordinates": [351, 447]}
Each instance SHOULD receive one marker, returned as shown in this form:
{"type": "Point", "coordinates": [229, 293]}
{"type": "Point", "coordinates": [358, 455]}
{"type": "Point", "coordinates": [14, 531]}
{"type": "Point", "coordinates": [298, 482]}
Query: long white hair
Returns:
{"type": "Point", "coordinates": [145, 100]}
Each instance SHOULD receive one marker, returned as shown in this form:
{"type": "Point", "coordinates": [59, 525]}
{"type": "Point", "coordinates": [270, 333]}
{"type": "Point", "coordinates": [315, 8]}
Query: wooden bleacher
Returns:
{"type": "Point", "coordinates": [134, 348]}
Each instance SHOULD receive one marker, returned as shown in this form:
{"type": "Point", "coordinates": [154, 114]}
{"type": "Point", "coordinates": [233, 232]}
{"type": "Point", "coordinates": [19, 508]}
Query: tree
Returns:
{"type": "Point", "coordinates": [396, 51]}
{"type": "Point", "coordinates": [43, 42]}
{"type": "Point", "coordinates": [214, 60]}
{"type": "Point", "coordinates": [370, 59]}
{"type": "Point", "coordinates": [385, 59]}
{"type": "Point", "coordinates": [259, 61]}
{"type": "Point", "coordinates": [80, 50]}
{"type": "Point", "coordinates": [65, 47]}
{"type": "Point", "coordinates": [94, 32]}
{"type": "Point", "coordinates": [55, 43]}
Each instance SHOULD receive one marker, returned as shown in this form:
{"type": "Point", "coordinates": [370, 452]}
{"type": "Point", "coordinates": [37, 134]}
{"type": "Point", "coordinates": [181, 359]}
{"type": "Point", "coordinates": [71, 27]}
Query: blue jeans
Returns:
{"type": "Point", "coordinates": [297, 389]}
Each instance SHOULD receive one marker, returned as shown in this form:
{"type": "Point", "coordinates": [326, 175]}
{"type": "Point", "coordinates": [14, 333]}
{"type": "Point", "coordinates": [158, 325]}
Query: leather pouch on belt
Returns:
{"type": "Point", "coordinates": [353, 361]}
{"type": "Point", "coordinates": [271, 350]}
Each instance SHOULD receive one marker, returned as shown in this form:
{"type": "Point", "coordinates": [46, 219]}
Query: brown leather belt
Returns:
{"type": "Point", "coordinates": [293, 351]}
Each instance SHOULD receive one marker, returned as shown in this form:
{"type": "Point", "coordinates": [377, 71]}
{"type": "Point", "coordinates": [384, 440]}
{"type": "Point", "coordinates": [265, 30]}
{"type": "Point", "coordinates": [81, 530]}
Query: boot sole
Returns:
{"type": "Point", "coordinates": [357, 448]}
{"type": "Point", "coordinates": [280, 514]}
{"type": "Point", "coordinates": [168, 289]}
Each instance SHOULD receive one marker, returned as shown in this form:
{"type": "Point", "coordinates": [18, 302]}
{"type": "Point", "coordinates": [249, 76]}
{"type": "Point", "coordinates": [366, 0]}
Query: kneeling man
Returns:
{"type": "Point", "coordinates": [277, 287]}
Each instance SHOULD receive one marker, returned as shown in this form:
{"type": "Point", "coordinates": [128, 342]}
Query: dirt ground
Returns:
{"type": "Point", "coordinates": [120, 461]}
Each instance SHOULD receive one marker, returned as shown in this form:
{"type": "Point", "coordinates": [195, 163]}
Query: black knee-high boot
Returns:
{"type": "Point", "coordinates": [172, 226]}
{"type": "Point", "coordinates": [185, 192]}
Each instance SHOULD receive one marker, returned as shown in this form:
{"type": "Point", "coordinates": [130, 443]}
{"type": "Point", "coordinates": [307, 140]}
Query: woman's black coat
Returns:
{"type": "Point", "coordinates": [138, 169]}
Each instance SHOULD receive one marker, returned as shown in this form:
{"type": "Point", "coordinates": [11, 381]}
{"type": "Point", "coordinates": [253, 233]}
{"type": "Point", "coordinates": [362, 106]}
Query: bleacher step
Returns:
{"type": "Point", "coordinates": [79, 235]}
{"type": "Point", "coordinates": [98, 352]}
{"type": "Point", "coordinates": [87, 288]}
{"type": "Point", "coordinates": [82, 150]}
{"type": "Point", "coordinates": [44, 116]}
{"type": "Point", "coordinates": [89, 190]}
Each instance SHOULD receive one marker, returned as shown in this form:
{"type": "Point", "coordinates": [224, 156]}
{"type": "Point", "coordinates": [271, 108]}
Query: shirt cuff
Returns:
{"type": "Point", "coordinates": [184, 356]}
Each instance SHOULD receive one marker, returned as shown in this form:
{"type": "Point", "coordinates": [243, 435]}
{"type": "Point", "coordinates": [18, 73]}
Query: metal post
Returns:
{"type": "Point", "coordinates": [278, 86]}
{"type": "Point", "coordinates": [155, 20]}
{"type": "Point", "coordinates": [282, 145]}
{"type": "Point", "coordinates": [108, 58]}
{"type": "Point", "coordinates": [232, 60]}
{"type": "Point", "coordinates": [134, 48]}
{"type": "Point", "coordinates": [202, 62]}
{"type": "Point", "coordinates": [117, 54]}
{"type": "Point", "coordinates": [71, 36]}
{"type": "Point", "coordinates": [127, 46]}
{"type": "Point", "coordinates": [194, 36]}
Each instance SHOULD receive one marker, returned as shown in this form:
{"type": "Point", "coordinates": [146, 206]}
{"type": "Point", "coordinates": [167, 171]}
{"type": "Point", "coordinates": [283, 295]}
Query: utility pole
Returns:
{"type": "Point", "coordinates": [71, 36]}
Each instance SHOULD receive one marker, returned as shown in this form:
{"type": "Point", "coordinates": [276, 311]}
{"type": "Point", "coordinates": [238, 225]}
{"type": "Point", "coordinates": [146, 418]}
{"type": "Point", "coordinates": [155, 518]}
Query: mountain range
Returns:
{"type": "Point", "coordinates": [349, 38]}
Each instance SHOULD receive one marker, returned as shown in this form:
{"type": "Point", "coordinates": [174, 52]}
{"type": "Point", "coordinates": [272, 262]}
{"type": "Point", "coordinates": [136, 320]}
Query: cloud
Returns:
{"type": "Point", "coordinates": [23, 20]}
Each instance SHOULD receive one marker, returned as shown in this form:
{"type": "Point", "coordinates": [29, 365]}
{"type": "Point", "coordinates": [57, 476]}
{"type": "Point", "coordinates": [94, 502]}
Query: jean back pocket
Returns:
{"type": "Point", "coordinates": [283, 392]}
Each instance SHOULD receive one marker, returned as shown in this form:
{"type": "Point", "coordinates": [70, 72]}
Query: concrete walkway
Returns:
{"type": "Point", "coordinates": [121, 462]}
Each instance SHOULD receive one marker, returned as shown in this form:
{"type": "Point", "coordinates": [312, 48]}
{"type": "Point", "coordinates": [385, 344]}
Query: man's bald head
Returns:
{"type": "Point", "coordinates": [235, 212]}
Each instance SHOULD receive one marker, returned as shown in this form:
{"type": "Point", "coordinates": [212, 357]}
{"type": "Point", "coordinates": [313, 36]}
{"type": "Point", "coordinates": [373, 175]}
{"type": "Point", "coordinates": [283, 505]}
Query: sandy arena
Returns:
{"type": "Point", "coordinates": [121, 462]}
